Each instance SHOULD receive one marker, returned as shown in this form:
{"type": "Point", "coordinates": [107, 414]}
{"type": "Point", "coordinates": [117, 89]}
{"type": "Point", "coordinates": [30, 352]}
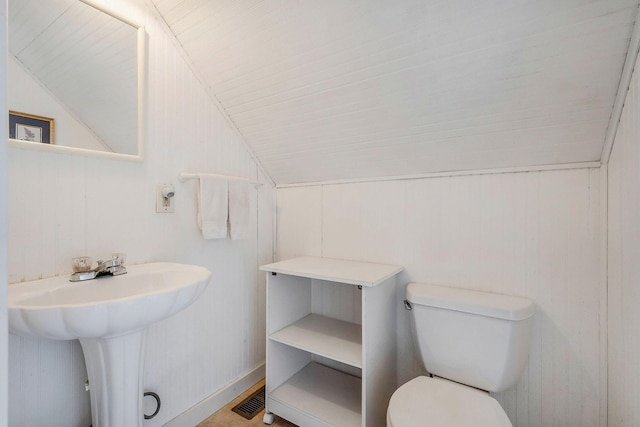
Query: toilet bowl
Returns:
{"type": "Point", "coordinates": [437, 402]}
{"type": "Point", "coordinates": [472, 342]}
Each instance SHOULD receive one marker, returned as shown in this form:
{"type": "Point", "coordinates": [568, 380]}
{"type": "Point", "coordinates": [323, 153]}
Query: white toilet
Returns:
{"type": "Point", "coordinates": [471, 342]}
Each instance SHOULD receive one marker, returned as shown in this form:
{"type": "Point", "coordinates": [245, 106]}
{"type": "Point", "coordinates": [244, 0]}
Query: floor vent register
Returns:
{"type": "Point", "coordinates": [251, 406]}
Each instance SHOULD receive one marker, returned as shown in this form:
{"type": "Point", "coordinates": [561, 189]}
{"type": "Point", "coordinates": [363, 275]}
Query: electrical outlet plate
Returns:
{"type": "Point", "coordinates": [163, 204]}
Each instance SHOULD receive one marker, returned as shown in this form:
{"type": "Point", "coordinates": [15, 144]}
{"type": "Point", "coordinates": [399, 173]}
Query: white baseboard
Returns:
{"type": "Point", "coordinates": [204, 409]}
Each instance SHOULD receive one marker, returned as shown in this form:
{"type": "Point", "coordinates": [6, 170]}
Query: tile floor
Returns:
{"type": "Point", "coordinates": [225, 417]}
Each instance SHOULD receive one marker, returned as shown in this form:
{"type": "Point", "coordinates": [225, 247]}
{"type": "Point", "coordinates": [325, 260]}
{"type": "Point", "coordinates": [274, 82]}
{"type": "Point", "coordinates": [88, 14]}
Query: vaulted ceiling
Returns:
{"type": "Point", "coordinates": [341, 89]}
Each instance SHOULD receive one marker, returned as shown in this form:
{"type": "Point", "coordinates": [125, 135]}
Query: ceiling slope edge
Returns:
{"type": "Point", "coordinates": [623, 88]}
{"type": "Point", "coordinates": [185, 56]}
{"type": "Point", "coordinates": [452, 173]}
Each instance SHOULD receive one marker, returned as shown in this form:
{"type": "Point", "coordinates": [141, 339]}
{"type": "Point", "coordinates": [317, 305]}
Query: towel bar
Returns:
{"type": "Point", "coordinates": [186, 176]}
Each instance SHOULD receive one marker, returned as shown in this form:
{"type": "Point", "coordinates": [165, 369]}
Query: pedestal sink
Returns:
{"type": "Point", "coordinates": [110, 317]}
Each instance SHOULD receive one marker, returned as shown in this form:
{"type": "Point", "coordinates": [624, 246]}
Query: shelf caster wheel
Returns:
{"type": "Point", "coordinates": [268, 418]}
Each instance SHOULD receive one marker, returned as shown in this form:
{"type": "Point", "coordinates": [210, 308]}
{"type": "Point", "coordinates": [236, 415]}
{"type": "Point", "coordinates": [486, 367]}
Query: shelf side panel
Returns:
{"type": "Point", "coordinates": [379, 379]}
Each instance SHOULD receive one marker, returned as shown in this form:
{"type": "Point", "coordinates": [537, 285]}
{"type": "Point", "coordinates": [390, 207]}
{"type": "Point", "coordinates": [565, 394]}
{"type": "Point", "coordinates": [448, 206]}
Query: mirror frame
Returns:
{"type": "Point", "coordinates": [141, 80]}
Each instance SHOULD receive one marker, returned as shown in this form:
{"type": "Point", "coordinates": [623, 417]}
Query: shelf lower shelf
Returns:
{"type": "Point", "coordinates": [328, 396]}
{"type": "Point", "coordinates": [324, 336]}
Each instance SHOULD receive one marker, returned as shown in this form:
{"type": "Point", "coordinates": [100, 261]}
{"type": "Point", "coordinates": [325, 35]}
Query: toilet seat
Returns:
{"type": "Point", "coordinates": [436, 402]}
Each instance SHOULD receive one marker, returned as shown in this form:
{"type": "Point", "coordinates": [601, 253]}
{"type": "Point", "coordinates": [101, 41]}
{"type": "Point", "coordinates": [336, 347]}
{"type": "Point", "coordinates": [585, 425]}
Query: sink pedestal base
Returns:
{"type": "Point", "coordinates": [114, 366]}
{"type": "Point", "coordinates": [110, 317]}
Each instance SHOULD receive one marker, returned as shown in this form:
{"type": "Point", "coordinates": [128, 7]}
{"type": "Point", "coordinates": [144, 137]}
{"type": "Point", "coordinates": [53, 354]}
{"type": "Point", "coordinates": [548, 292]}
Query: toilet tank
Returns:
{"type": "Point", "coordinates": [476, 338]}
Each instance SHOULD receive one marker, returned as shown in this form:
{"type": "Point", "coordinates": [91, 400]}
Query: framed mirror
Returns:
{"type": "Point", "coordinates": [82, 67]}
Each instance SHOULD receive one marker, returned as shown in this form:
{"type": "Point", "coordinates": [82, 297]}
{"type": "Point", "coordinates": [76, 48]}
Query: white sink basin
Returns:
{"type": "Point", "coordinates": [58, 309]}
{"type": "Point", "coordinates": [110, 317]}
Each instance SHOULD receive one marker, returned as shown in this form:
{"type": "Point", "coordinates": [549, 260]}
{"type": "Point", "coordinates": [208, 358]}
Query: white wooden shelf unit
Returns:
{"type": "Point", "coordinates": [330, 341]}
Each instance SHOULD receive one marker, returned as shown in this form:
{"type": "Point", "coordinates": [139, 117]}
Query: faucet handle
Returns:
{"type": "Point", "coordinates": [119, 258]}
{"type": "Point", "coordinates": [81, 264]}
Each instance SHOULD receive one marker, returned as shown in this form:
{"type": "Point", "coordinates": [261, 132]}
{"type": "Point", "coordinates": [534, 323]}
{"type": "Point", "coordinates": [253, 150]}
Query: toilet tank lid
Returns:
{"type": "Point", "coordinates": [468, 301]}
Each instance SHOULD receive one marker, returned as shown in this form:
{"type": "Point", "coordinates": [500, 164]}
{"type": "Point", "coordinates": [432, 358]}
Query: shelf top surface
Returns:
{"type": "Point", "coordinates": [335, 270]}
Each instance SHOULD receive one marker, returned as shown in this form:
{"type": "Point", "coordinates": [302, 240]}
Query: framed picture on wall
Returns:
{"type": "Point", "coordinates": [29, 127]}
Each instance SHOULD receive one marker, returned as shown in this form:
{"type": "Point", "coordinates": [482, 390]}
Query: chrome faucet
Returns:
{"type": "Point", "coordinates": [113, 267]}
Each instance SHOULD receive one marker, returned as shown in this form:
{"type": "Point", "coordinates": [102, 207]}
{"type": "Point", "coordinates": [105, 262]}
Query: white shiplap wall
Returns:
{"type": "Point", "coordinates": [61, 206]}
{"type": "Point", "coordinates": [533, 233]}
{"type": "Point", "coordinates": [624, 265]}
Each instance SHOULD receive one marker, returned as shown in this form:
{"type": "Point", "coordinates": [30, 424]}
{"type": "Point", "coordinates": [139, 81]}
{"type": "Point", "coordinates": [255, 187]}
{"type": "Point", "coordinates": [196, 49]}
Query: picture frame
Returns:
{"type": "Point", "coordinates": [30, 127]}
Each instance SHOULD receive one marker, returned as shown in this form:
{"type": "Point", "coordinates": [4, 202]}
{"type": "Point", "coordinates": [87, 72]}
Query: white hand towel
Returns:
{"type": "Point", "coordinates": [239, 209]}
{"type": "Point", "coordinates": [213, 207]}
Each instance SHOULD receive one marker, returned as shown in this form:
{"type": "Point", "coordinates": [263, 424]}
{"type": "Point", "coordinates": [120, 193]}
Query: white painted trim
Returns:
{"type": "Point", "coordinates": [621, 94]}
{"type": "Point", "coordinates": [274, 232]}
{"type": "Point", "coordinates": [187, 176]}
{"type": "Point", "coordinates": [563, 166]}
{"type": "Point", "coordinates": [604, 294]}
{"type": "Point", "coordinates": [61, 149]}
{"type": "Point", "coordinates": [109, 10]}
{"type": "Point", "coordinates": [187, 59]}
{"type": "Point", "coordinates": [142, 90]}
{"type": "Point", "coordinates": [205, 408]}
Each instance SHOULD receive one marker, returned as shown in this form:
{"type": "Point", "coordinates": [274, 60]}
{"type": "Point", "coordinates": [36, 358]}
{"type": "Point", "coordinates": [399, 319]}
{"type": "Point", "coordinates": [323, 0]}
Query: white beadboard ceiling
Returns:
{"type": "Point", "coordinates": [342, 89]}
